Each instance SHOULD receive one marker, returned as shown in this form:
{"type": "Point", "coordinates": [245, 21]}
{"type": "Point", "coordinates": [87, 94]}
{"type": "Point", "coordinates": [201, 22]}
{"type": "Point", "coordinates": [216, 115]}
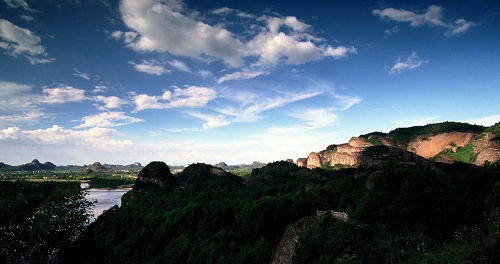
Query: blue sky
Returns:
{"type": "Point", "coordinates": [235, 81]}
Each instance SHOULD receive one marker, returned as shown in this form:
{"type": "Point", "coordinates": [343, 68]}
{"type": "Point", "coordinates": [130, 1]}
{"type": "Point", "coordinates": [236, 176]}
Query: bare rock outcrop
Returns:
{"type": "Point", "coordinates": [301, 162]}
{"type": "Point", "coordinates": [432, 145]}
{"type": "Point", "coordinates": [347, 154]}
{"type": "Point", "coordinates": [286, 248]}
{"type": "Point", "coordinates": [313, 161]}
{"type": "Point", "coordinates": [486, 149]}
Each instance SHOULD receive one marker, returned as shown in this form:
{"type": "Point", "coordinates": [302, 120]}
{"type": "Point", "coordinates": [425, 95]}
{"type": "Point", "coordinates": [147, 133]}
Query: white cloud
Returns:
{"type": "Point", "coordinates": [62, 95]}
{"type": "Point", "coordinates": [484, 121]}
{"type": "Point", "coordinates": [346, 102]}
{"type": "Point", "coordinates": [410, 63]}
{"type": "Point", "coordinates": [190, 97]}
{"type": "Point", "coordinates": [317, 118]}
{"type": "Point", "coordinates": [393, 30]}
{"type": "Point", "coordinates": [27, 18]}
{"type": "Point", "coordinates": [151, 67]}
{"type": "Point", "coordinates": [246, 74]}
{"type": "Point", "coordinates": [433, 17]}
{"type": "Point", "coordinates": [166, 26]}
{"type": "Point", "coordinates": [179, 65]}
{"type": "Point", "coordinates": [110, 102]}
{"type": "Point", "coordinates": [18, 105]}
{"type": "Point", "coordinates": [18, 4]}
{"type": "Point", "coordinates": [251, 105]}
{"type": "Point", "coordinates": [108, 119]}
{"type": "Point", "coordinates": [162, 27]}
{"type": "Point", "coordinates": [17, 40]}
{"type": "Point", "coordinates": [100, 88]}
{"type": "Point", "coordinates": [81, 74]}
{"type": "Point", "coordinates": [211, 121]}
{"type": "Point", "coordinates": [96, 137]}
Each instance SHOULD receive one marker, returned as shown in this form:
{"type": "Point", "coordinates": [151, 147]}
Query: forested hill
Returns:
{"type": "Point", "coordinates": [399, 211]}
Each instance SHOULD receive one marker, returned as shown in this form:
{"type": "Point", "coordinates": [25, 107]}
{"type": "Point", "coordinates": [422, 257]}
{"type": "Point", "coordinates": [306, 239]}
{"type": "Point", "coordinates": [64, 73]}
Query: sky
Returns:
{"type": "Point", "coordinates": [191, 81]}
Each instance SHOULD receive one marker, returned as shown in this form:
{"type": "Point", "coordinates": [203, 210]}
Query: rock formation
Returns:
{"type": "Point", "coordinates": [486, 149]}
{"type": "Point", "coordinates": [430, 146]}
{"type": "Point", "coordinates": [286, 248]}
{"type": "Point", "coordinates": [313, 161]}
{"type": "Point", "coordinates": [301, 162]}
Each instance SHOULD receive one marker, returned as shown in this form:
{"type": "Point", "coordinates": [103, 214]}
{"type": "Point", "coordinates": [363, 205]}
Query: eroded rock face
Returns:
{"type": "Point", "coordinates": [431, 146]}
{"type": "Point", "coordinates": [486, 150]}
{"type": "Point", "coordinates": [286, 248]}
{"type": "Point", "coordinates": [301, 162]}
{"type": "Point", "coordinates": [313, 161]}
{"type": "Point", "coordinates": [347, 154]}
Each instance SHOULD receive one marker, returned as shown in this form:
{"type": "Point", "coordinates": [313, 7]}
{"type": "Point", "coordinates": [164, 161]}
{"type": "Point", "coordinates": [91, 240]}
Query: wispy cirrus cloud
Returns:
{"type": "Point", "coordinates": [243, 75]}
{"type": "Point", "coordinates": [433, 16]}
{"type": "Point", "coordinates": [18, 4]}
{"type": "Point", "coordinates": [81, 74]}
{"type": "Point", "coordinates": [410, 63]}
{"type": "Point", "coordinates": [108, 119]}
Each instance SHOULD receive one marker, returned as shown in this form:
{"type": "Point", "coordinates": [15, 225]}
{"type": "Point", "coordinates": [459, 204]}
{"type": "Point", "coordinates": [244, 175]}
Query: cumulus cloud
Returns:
{"type": "Point", "coordinates": [96, 137]}
{"type": "Point", "coordinates": [108, 119]}
{"type": "Point", "coordinates": [110, 102]}
{"type": "Point", "coordinates": [190, 97]}
{"type": "Point", "coordinates": [151, 67]}
{"type": "Point", "coordinates": [160, 26]}
{"type": "Point", "coordinates": [410, 63]}
{"type": "Point", "coordinates": [17, 40]}
{"type": "Point", "coordinates": [433, 16]}
{"type": "Point", "coordinates": [167, 26]}
{"type": "Point", "coordinates": [62, 95]}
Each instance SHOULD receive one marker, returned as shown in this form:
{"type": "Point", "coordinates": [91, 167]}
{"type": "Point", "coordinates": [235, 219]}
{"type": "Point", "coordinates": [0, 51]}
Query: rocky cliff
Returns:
{"type": "Point", "coordinates": [286, 248]}
{"type": "Point", "coordinates": [446, 142]}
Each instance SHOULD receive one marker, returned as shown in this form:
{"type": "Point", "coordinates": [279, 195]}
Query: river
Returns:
{"type": "Point", "coordinates": [105, 198]}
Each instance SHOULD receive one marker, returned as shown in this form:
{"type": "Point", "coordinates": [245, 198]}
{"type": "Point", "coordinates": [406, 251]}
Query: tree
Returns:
{"type": "Point", "coordinates": [38, 221]}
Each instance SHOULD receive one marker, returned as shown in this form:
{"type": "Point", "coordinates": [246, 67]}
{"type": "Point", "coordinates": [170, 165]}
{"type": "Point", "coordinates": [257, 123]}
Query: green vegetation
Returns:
{"type": "Point", "coordinates": [408, 134]}
{"type": "Point", "coordinates": [39, 221]}
{"type": "Point", "coordinates": [463, 154]}
{"type": "Point", "coordinates": [410, 214]}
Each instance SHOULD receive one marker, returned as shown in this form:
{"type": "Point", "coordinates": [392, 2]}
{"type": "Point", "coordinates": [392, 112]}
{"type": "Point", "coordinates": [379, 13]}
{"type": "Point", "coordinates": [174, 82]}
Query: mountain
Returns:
{"type": "Point", "coordinates": [34, 166]}
{"type": "Point", "coordinates": [446, 142]}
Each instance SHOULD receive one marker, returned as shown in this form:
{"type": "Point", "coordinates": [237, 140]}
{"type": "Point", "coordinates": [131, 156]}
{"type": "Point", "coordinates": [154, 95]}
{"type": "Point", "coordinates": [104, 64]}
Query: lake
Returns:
{"type": "Point", "coordinates": [105, 198]}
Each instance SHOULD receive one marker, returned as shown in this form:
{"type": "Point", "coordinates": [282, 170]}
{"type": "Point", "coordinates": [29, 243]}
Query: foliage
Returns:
{"type": "Point", "coordinates": [409, 214]}
{"type": "Point", "coordinates": [38, 221]}
{"type": "Point", "coordinates": [407, 134]}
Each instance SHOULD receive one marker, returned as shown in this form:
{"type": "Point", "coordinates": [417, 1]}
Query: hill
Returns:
{"type": "Point", "coordinates": [401, 207]}
{"type": "Point", "coordinates": [445, 142]}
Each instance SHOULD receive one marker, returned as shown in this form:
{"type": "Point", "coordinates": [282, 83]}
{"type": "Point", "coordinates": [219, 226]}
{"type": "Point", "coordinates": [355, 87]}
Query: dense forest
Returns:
{"type": "Point", "coordinates": [397, 214]}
